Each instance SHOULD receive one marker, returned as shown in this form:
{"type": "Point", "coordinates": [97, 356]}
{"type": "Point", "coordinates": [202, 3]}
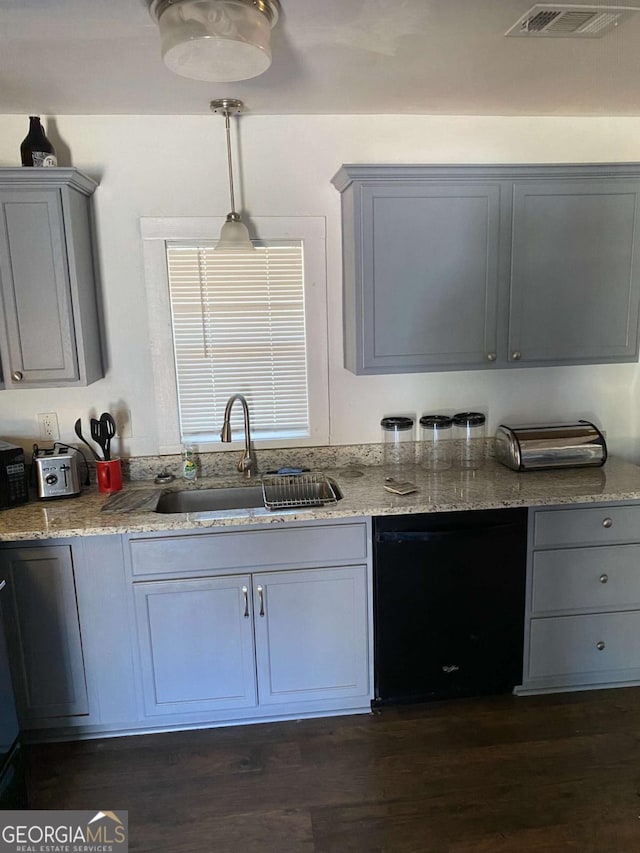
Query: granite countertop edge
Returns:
{"type": "Point", "coordinates": [493, 487]}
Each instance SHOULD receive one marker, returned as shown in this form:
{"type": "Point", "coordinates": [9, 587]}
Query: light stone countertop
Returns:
{"type": "Point", "coordinates": [494, 486]}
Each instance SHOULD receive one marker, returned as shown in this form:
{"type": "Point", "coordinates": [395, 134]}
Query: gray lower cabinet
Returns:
{"type": "Point", "coordinates": [256, 624]}
{"type": "Point", "coordinates": [44, 637]}
{"type": "Point", "coordinates": [311, 635]}
{"type": "Point", "coordinates": [120, 634]}
{"type": "Point", "coordinates": [465, 267]}
{"type": "Point", "coordinates": [50, 333]}
{"type": "Point", "coordinates": [583, 599]}
{"type": "Point", "coordinates": [69, 632]}
{"type": "Point", "coordinates": [235, 642]}
{"type": "Point", "coordinates": [196, 644]}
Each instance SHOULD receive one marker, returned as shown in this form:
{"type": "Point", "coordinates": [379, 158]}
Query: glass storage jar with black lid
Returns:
{"type": "Point", "coordinates": [435, 442]}
{"type": "Point", "coordinates": [398, 446]}
{"type": "Point", "coordinates": [470, 432]}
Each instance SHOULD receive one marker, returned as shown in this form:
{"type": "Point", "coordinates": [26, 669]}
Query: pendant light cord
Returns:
{"type": "Point", "coordinates": [227, 125]}
{"type": "Point", "coordinates": [234, 235]}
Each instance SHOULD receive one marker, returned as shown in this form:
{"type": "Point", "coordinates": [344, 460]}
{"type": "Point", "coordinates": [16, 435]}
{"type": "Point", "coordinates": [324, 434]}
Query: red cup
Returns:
{"type": "Point", "coordinates": [109, 476]}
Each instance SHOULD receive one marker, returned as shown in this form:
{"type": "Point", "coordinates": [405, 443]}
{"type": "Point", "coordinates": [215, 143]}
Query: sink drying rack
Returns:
{"type": "Point", "coordinates": [284, 491]}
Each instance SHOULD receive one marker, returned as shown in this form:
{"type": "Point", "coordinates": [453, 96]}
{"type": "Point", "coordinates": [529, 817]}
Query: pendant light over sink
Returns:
{"type": "Point", "coordinates": [220, 41]}
{"type": "Point", "coordinates": [234, 235]}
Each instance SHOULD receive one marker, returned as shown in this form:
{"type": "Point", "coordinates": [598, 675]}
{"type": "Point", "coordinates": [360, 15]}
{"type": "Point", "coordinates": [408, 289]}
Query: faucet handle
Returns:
{"type": "Point", "coordinates": [246, 466]}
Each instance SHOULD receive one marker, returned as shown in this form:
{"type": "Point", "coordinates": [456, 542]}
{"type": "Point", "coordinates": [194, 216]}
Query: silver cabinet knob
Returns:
{"type": "Point", "coordinates": [516, 356]}
{"type": "Point", "coordinates": [600, 646]}
{"type": "Point", "coordinates": [607, 522]}
{"type": "Point", "coordinates": [604, 578]}
{"type": "Point", "coordinates": [491, 356]}
{"type": "Point", "coordinates": [17, 376]}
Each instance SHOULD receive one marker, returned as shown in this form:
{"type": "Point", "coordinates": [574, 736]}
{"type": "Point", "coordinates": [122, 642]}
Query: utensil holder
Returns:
{"type": "Point", "coordinates": [109, 475]}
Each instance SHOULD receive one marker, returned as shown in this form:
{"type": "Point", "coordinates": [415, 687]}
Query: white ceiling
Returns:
{"type": "Point", "coordinates": [64, 57]}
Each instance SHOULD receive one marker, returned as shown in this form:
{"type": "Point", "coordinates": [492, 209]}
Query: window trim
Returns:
{"type": "Point", "coordinates": [156, 232]}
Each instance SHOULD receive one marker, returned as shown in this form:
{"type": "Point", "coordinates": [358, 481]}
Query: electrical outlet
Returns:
{"type": "Point", "coordinates": [49, 429]}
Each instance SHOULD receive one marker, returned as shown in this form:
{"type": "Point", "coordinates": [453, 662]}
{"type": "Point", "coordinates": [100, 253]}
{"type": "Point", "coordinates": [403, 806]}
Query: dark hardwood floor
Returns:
{"type": "Point", "coordinates": [496, 775]}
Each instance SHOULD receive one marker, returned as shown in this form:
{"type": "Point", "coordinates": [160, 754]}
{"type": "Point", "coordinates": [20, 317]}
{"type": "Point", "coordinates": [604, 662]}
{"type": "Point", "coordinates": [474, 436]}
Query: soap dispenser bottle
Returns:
{"type": "Point", "coordinates": [189, 469]}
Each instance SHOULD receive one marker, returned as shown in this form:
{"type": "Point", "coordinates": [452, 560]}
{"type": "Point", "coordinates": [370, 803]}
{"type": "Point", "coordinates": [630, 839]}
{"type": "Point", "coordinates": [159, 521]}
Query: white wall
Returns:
{"type": "Point", "coordinates": [176, 166]}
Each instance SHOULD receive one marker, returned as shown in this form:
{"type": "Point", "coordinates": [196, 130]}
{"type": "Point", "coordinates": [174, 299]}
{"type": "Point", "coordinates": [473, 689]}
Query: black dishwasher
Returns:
{"type": "Point", "coordinates": [448, 604]}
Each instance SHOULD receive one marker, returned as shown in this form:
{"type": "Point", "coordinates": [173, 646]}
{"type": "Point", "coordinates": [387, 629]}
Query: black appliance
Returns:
{"type": "Point", "coordinates": [448, 604]}
{"type": "Point", "coordinates": [13, 789]}
{"type": "Point", "coordinates": [14, 488]}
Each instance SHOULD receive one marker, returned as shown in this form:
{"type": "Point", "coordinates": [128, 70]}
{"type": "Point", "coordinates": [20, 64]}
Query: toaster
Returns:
{"type": "Point", "coordinates": [535, 447]}
{"type": "Point", "coordinates": [56, 473]}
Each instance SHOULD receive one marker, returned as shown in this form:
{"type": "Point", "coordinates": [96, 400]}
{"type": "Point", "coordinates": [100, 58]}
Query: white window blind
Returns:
{"type": "Point", "coordinates": [239, 328]}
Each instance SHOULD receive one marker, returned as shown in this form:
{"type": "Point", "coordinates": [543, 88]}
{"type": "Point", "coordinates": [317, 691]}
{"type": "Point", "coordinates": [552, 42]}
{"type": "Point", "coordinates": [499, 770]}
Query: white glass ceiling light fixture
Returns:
{"type": "Point", "coordinates": [234, 235]}
{"type": "Point", "coordinates": [220, 41]}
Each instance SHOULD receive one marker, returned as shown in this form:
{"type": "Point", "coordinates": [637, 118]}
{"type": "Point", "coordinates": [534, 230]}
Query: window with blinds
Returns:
{"type": "Point", "coordinates": [239, 328]}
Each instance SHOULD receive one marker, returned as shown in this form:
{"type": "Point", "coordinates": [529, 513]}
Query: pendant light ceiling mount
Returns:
{"type": "Point", "coordinates": [226, 105]}
{"type": "Point", "coordinates": [220, 41]}
{"type": "Point", "coordinates": [234, 236]}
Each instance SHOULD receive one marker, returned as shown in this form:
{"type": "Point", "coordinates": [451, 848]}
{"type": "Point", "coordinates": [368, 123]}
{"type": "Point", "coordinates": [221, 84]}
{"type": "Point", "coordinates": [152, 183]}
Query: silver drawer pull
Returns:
{"type": "Point", "coordinates": [491, 356]}
{"type": "Point", "coordinates": [17, 376]}
{"type": "Point", "coordinates": [600, 646]}
{"type": "Point", "coordinates": [245, 593]}
{"type": "Point", "coordinates": [604, 578]}
{"type": "Point", "coordinates": [516, 356]}
{"type": "Point", "coordinates": [261, 599]}
{"type": "Point", "coordinates": [608, 522]}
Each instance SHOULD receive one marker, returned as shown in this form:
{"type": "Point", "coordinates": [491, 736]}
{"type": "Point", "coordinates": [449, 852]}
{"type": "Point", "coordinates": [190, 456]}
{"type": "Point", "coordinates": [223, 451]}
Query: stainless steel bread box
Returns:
{"type": "Point", "coordinates": [535, 447]}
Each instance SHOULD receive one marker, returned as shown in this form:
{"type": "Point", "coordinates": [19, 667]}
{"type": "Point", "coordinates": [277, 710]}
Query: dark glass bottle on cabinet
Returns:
{"type": "Point", "coordinates": [36, 150]}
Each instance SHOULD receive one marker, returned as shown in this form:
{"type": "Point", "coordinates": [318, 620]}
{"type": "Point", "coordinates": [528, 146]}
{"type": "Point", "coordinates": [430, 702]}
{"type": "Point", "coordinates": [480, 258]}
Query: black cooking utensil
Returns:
{"type": "Point", "coordinates": [78, 430]}
{"type": "Point", "coordinates": [98, 436]}
{"type": "Point", "coordinates": [108, 429]}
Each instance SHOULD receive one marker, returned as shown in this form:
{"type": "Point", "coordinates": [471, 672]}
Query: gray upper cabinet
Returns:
{"type": "Point", "coordinates": [574, 271]}
{"type": "Point", "coordinates": [414, 234]}
{"type": "Point", "coordinates": [50, 330]}
{"type": "Point", "coordinates": [465, 267]}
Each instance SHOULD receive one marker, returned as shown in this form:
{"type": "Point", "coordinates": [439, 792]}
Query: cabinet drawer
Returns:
{"type": "Point", "coordinates": [568, 645]}
{"type": "Point", "coordinates": [189, 555]}
{"type": "Point", "coordinates": [586, 578]}
{"type": "Point", "coordinates": [597, 525]}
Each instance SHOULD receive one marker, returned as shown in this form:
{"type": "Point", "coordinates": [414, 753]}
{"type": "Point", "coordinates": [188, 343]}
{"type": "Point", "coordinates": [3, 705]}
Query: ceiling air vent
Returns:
{"type": "Point", "coordinates": [570, 20]}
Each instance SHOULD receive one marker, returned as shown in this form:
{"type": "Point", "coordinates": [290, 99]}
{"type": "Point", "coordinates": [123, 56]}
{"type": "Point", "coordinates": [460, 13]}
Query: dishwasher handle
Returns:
{"type": "Point", "coordinates": [405, 536]}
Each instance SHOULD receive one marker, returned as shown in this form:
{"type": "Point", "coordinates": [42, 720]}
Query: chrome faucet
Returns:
{"type": "Point", "coordinates": [247, 464]}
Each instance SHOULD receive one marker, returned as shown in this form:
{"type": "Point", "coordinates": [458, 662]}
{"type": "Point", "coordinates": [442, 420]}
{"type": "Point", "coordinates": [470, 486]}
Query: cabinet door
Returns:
{"type": "Point", "coordinates": [425, 288]}
{"type": "Point", "coordinates": [196, 644]}
{"type": "Point", "coordinates": [311, 634]}
{"type": "Point", "coordinates": [40, 334]}
{"type": "Point", "coordinates": [575, 277]}
{"type": "Point", "coordinates": [44, 633]}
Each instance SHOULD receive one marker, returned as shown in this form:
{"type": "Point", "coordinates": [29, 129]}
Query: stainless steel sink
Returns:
{"type": "Point", "coordinates": [211, 500]}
